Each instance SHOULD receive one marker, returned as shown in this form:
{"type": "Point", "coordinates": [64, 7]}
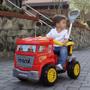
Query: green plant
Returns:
{"type": "Point", "coordinates": [88, 22]}
{"type": "Point", "coordinates": [82, 5]}
{"type": "Point", "coordinates": [3, 8]}
{"type": "Point", "coordinates": [13, 9]}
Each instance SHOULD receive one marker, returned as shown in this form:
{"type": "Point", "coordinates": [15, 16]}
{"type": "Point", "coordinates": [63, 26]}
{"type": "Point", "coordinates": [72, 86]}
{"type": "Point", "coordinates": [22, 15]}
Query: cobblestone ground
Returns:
{"type": "Point", "coordinates": [8, 82]}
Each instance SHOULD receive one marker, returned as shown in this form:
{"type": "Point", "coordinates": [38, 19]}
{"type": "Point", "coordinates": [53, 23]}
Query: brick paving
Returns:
{"type": "Point", "coordinates": [8, 82]}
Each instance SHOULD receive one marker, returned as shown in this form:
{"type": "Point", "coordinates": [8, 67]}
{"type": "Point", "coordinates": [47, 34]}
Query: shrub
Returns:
{"type": "Point", "coordinates": [88, 22]}
{"type": "Point", "coordinates": [4, 8]}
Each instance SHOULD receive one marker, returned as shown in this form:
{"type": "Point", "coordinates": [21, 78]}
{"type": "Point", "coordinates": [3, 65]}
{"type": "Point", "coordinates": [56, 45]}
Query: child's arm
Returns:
{"type": "Point", "coordinates": [66, 37]}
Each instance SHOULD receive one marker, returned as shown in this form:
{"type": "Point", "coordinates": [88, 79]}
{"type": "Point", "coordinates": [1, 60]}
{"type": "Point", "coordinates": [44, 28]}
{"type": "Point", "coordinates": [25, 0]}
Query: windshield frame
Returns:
{"type": "Point", "coordinates": [17, 48]}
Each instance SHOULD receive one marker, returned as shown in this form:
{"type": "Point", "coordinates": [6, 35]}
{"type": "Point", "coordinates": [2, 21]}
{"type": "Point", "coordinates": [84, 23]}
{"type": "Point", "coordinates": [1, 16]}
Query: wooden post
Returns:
{"type": "Point", "coordinates": [19, 3]}
{"type": "Point", "coordinates": [1, 1]}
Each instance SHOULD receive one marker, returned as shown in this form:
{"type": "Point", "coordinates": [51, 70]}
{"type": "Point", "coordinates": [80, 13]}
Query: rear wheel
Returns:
{"type": "Point", "coordinates": [49, 75]}
{"type": "Point", "coordinates": [73, 70]}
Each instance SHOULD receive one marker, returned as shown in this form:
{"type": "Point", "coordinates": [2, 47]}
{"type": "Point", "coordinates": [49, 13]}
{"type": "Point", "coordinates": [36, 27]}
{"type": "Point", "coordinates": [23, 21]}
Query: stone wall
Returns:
{"type": "Point", "coordinates": [11, 29]}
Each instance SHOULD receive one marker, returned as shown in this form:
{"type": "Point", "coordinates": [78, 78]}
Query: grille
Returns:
{"type": "Point", "coordinates": [25, 61]}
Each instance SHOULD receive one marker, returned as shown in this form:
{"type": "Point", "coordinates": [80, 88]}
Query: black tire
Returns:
{"type": "Point", "coordinates": [44, 77]}
{"type": "Point", "coordinates": [71, 70]}
{"type": "Point", "coordinates": [22, 79]}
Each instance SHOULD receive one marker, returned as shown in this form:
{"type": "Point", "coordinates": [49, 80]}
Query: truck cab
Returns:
{"type": "Point", "coordinates": [31, 55]}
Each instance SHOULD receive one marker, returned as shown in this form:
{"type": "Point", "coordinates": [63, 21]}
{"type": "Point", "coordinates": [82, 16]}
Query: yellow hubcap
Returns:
{"type": "Point", "coordinates": [76, 69]}
{"type": "Point", "coordinates": [52, 75]}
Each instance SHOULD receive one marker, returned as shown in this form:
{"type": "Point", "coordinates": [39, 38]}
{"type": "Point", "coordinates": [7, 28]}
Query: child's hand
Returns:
{"type": "Point", "coordinates": [40, 36]}
{"type": "Point", "coordinates": [65, 42]}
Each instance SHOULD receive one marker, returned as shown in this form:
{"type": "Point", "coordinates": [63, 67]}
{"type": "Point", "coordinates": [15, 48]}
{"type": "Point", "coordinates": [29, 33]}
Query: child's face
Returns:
{"type": "Point", "coordinates": [62, 24]}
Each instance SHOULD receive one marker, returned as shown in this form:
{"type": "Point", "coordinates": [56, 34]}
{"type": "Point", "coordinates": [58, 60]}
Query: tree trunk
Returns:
{"type": "Point", "coordinates": [82, 16]}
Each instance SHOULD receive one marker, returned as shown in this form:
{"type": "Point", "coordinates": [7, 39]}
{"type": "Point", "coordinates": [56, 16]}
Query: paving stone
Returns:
{"type": "Point", "coordinates": [8, 82]}
{"type": "Point", "coordinates": [72, 88]}
{"type": "Point", "coordinates": [84, 88]}
{"type": "Point", "coordinates": [60, 88]}
{"type": "Point", "coordinates": [86, 84]}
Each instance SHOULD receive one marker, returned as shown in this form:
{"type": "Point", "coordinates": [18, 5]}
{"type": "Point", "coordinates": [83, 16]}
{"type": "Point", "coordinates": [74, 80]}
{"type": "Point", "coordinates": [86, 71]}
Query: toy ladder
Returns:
{"type": "Point", "coordinates": [31, 14]}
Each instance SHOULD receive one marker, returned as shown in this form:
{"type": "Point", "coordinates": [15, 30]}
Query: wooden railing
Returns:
{"type": "Point", "coordinates": [17, 15]}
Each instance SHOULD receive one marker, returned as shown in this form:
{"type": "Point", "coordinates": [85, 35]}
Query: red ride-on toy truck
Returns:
{"type": "Point", "coordinates": [35, 60]}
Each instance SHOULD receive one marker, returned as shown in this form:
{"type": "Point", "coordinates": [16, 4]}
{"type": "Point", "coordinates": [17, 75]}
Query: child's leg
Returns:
{"type": "Point", "coordinates": [57, 50]}
{"type": "Point", "coordinates": [63, 55]}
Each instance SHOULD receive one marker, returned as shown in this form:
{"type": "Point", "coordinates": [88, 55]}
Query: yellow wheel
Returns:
{"type": "Point", "coordinates": [73, 70]}
{"type": "Point", "coordinates": [49, 75]}
{"type": "Point", "coordinates": [76, 69]}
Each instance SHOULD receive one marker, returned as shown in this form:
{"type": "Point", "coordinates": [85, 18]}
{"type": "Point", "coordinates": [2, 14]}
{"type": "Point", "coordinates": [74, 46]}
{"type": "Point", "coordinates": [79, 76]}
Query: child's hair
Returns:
{"type": "Point", "coordinates": [57, 18]}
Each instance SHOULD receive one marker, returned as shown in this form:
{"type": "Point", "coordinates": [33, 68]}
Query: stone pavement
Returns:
{"type": "Point", "coordinates": [8, 82]}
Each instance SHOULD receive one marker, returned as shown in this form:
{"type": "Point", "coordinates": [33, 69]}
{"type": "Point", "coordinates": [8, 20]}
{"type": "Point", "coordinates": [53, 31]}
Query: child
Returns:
{"type": "Point", "coordinates": [60, 33]}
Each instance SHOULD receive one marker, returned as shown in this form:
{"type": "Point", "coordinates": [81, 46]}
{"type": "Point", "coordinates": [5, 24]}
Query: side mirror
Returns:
{"type": "Point", "coordinates": [72, 15]}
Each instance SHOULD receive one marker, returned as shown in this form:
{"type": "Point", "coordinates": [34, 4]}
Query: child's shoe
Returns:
{"type": "Point", "coordinates": [59, 67]}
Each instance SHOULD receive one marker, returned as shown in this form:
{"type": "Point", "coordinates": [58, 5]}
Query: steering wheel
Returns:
{"type": "Point", "coordinates": [58, 43]}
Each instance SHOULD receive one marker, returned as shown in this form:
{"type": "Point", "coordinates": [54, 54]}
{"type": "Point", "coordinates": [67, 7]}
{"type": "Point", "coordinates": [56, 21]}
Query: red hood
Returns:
{"type": "Point", "coordinates": [35, 41]}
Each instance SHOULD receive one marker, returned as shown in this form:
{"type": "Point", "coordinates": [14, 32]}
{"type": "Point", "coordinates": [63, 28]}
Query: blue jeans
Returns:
{"type": "Point", "coordinates": [62, 52]}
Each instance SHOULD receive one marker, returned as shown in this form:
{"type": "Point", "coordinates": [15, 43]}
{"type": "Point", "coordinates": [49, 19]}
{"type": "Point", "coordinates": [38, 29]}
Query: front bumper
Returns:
{"type": "Point", "coordinates": [30, 75]}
